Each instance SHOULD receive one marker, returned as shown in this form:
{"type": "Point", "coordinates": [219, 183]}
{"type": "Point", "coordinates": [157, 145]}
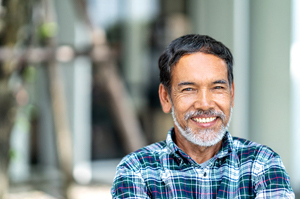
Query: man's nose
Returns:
{"type": "Point", "coordinates": [204, 100]}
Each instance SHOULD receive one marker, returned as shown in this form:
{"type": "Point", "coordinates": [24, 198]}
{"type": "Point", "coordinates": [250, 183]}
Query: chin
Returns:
{"type": "Point", "coordinates": [204, 137]}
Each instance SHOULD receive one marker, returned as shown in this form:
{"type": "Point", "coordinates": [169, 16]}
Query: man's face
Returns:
{"type": "Point", "coordinates": [201, 99]}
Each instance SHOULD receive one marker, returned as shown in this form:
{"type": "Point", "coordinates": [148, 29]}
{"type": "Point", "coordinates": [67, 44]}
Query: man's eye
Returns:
{"type": "Point", "coordinates": [187, 89]}
{"type": "Point", "coordinates": [218, 87]}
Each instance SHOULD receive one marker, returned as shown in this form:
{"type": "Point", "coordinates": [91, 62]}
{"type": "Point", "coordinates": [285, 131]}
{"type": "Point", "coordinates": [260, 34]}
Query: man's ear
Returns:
{"type": "Point", "coordinates": [232, 93]}
{"type": "Point", "coordinates": [164, 98]}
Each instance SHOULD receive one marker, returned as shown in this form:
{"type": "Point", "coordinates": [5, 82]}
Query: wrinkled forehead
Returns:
{"type": "Point", "coordinates": [199, 64]}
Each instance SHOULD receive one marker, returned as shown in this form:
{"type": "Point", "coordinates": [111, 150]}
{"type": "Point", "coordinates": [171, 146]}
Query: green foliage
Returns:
{"type": "Point", "coordinates": [48, 30]}
{"type": "Point", "coordinates": [29, 74]}
{"type": "Point", "coordinates": [12, 154]}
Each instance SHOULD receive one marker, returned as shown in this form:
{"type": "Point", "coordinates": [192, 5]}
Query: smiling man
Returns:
{"type": "Point", "coordinates": [199, 158]}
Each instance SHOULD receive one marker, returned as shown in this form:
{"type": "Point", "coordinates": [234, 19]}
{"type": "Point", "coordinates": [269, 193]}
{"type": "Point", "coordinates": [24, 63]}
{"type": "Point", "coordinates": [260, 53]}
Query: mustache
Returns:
{"type": "Point", "coordinates": [209, 112]}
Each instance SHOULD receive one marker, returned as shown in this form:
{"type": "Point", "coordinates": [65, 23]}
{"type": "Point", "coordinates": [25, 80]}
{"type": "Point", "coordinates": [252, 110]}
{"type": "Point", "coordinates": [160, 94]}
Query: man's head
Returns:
{"type": "Point", "coordinates": [197, 86]}
{"type": "Point", "coordinates": [189, 44]}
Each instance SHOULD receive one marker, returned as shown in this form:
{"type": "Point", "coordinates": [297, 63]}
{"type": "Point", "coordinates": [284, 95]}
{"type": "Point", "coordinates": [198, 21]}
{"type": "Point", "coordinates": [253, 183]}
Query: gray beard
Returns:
{"type": "Point", "coordinates": [206, 137]}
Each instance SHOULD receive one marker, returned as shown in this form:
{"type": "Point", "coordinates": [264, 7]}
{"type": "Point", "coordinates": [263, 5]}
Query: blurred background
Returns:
{"type": "Point", "coordinates": [79, 84]}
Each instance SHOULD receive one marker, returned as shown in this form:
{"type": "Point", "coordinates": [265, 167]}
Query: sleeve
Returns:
{"type": "Point", "coordinates": [128, 184]}
{"type": "Point", "coordinates": [272, 181]}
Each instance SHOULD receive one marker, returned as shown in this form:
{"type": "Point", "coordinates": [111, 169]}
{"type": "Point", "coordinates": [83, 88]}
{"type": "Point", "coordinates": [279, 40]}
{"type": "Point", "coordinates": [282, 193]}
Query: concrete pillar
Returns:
{"type": "Point", "coordinates": [241, 47]}
{"type": "Point", "coordinates": [270, 115]}
{"type": "Point", "coordinates": [295, 94]}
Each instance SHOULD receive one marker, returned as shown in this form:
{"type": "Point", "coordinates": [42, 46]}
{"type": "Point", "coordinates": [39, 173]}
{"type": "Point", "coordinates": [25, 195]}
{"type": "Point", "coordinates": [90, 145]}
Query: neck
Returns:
{"type": "Point", "coordinates": [198, 153]}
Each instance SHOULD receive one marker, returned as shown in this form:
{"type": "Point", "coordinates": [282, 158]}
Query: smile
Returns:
{"type": "Point", "coordinates": [204, 120]}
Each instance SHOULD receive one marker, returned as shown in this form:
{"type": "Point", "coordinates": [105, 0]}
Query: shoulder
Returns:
{"type": "Point", "coordinates": [248, 150]}
{"type": "Point", "coordinates": [265, 165]}
{"type": "Point", "coordinates": [146, 156]}
{"type": "Point", "coordinates": [268, 173]}
{"type": "Point", "coordinates": [133, 170]}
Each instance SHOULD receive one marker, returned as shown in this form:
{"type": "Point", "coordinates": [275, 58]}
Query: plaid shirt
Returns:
{"type": "Point", "coordinates": [241, 169]}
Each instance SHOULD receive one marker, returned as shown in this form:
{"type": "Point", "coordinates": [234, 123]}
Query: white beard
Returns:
{"type": "Point", "coordinates": [206, 137]}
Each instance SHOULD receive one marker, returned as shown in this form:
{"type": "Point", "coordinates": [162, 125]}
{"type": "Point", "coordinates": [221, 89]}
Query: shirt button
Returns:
{"type": "Point", "coordinates": [204, 174]}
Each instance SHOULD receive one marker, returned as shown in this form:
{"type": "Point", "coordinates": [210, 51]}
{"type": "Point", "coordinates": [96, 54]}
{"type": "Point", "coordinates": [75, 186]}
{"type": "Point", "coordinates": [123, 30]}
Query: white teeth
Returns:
{"type": "Point", "coordinates": [204, 120]}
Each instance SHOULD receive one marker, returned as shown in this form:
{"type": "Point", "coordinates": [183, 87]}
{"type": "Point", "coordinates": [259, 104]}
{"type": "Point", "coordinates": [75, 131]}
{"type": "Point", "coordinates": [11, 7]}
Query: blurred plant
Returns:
{"type": "Point", "coordinates": [16, 20]}
{"type": "Point", "coordinates": [48, 30]}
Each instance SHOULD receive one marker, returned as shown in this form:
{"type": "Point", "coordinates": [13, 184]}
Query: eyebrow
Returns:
{"type": "Point", "coordinates": [222, 81]}
{"type": "Point", "coordinates": [186, 83]}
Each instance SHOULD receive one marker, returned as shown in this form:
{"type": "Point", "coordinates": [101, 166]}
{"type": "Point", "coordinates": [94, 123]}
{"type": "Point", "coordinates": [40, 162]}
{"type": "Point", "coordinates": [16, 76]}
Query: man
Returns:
{"type": "Point", "coordinates": [200, 159]}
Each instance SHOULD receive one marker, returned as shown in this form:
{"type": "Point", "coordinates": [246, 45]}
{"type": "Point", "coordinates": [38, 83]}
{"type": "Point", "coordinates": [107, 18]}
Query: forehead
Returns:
{"type": "Point", "coordinates": [200, 67]}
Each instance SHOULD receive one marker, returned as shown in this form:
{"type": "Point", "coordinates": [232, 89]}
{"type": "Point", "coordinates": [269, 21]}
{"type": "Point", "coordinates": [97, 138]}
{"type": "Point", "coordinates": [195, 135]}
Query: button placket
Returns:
{"type": "Point", "coordinates": [199, 170]}
{"type": "Point", "coordinates": [206, 171]}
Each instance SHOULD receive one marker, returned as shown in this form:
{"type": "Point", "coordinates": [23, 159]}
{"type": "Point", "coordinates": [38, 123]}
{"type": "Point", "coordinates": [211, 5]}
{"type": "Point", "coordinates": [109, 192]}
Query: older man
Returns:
{"type": "Point", "coordinates": [199, 158]}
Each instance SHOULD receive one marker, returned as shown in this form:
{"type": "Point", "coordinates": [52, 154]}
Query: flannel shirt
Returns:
{"type": "Point", "coordinates": [241, 169]}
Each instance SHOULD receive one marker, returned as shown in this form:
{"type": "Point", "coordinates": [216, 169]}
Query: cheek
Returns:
{"type": "Point", "coordinates": [224, 103]}
{"type": "Point", "coordinates": [222, 99]}
{"type": "Point", "coordinates": [183, 102]}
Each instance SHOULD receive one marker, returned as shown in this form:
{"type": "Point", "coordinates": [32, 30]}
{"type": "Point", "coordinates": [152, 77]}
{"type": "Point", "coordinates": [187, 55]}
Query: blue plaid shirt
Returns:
{"type": "Point", "coordinates": [241, 169]}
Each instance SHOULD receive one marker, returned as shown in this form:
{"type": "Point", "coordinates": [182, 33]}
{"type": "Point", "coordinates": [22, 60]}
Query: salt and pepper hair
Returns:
{"type": "Point", "coordinates": [189, 44]}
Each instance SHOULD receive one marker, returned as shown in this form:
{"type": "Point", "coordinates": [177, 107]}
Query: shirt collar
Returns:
{"type": "Point", "coordinates": [226, 149]}
{"type": "Point", "coordinates": [172, 146]}
{"type": "Point", "coordinates": [227, 146]}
